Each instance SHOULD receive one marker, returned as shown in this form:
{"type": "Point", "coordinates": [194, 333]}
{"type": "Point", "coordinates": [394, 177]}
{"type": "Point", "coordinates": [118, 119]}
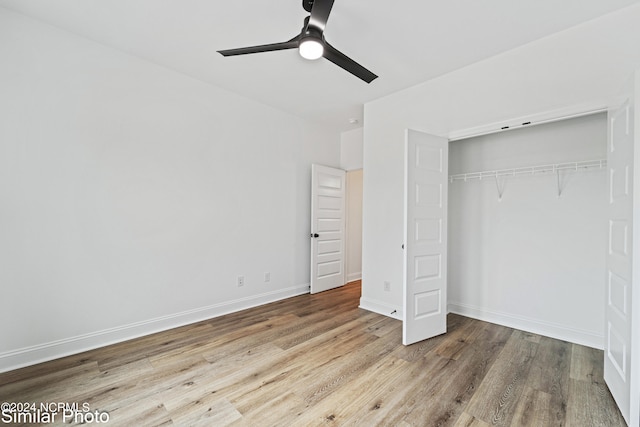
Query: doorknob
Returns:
{"type": "Point", "coordinates": [315, 235]}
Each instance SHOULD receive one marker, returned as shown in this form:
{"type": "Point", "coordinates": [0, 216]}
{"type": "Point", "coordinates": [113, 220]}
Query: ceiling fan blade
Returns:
{"type": "Point", "coordinates": [320, 13]}
{"type": "Point", "coordinates": [291, 44]}
{"type": "Point", "coordinates": [343, 61]}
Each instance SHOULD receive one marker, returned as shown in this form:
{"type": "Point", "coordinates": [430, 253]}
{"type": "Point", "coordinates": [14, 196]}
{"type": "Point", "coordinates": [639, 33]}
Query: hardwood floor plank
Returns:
{"type": "Point", "coordinates": [337, 408]}
{"type": "Point", "coordinates": [207, 410]}
{"type": "Point", "coordinates": [42, 369]}
{"type": "Point", "coordinates": [280, 410]}
{"type": "Point", "coordinates": [99, 389]}
{"type": "Point", "coordinates": [466, 420]}
{"type": "Point", "coordinates": [50, 384]}
{"type": "Point", "coordinates": [383, 326]}
{"type": "Point", "coordinates": [239, 340]}
{"type": "Point", "coordinates": [311, 326]}
{"type": "Point", "coordinates": [496, 398]}
{"type": "Point", "coordinates": [447, 397]}
{"type": "Point", "coordinates": [590, 403]}
{"type": "Point", "coordinates": [416, 352]}
{"type": "Point", "coordinates": [143, 412]}
{"type": "Point", "coordinates": [338, 371]}
{"type": "Point", "coordinates": [320, 360]}
{"type": "Point", "coordinates": [533, 409]}
{"type": "Point", "coordinates": [458, 339]}
{"type": "Point", "coordinates": [586, 363]}
{"type": "Point", "coordinates": [398, 398]}
{"type": "Point", "coordinates": [550, 374]}
{"type": "Point", "coordinates": [298, 372]}
{"type": "Point", "coordinates": [159, 343]}
{"type": "Point", "coordinates": [232, 362]}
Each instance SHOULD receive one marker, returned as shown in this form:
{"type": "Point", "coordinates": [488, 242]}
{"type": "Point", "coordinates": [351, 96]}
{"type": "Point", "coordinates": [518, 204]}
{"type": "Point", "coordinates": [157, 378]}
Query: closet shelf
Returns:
{"type": "Point", "coordinates": [530, 170]}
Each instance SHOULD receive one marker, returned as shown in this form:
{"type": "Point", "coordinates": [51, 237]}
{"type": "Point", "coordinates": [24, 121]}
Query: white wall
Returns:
{"type": "Point", "coordinates": [351, 149]}
{"type": "Point", "coordinates": [133, 196]}
{"type": "Point", "coordinates": [533, 260]}
{"type": "Point", "coordinates": [354, 225]}
{"type": "Point", "coordinates": [574, 70]}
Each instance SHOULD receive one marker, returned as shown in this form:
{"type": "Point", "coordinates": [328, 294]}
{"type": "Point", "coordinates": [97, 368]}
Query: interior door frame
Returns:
{"type": "Point", "coordinates": [349, 226]}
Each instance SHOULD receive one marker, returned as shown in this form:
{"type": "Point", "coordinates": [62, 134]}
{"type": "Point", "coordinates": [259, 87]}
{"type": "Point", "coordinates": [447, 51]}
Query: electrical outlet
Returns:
{"type": "Point", "coordinates": [267, 277]}
{"type": "Point", "coordinates": [387, 286]}
{"type": "Point", "coordinates": [240, 281]}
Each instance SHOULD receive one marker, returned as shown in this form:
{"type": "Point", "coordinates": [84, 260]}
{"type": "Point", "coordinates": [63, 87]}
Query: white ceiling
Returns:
{"type": "Point", "coordinates": [404, 42]}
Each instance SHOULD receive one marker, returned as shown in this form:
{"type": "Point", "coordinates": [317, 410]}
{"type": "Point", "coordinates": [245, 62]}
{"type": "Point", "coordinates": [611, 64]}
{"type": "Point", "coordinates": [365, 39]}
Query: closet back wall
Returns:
{"type": "Point", "coordinates": [533, 260]}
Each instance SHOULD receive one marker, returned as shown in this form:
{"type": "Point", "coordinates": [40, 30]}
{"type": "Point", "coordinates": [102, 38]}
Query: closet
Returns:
{"type": "Point", "coordinates": [528, 228]}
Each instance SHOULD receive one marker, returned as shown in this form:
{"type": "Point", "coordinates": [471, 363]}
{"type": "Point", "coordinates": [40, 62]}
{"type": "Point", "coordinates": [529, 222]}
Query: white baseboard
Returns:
{"type": "Point", "coordinates": [352, 277]}
{"type": "Point", "coordinates": [552, 330]}
{"type": "Point", "coordinates": [32, 355]}
{"type": "Point", "coordinates": [381, 308]}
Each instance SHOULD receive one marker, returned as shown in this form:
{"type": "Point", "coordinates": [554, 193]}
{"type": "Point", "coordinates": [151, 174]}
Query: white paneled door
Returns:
{"type": "Point", "coordinates": [622, 359]}
{"type": "Point", "coordinates": [425, 250]}
{"type": "Point", "coordinates": [327, 228]}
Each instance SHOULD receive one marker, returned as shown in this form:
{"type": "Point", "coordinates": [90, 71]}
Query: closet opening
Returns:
{"type": "Point", "coordinates": [527, 228]}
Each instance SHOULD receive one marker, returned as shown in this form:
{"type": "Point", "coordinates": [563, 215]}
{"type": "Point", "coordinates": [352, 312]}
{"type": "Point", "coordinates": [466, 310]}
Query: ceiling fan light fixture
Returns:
{"type": "Point", "coordinates": [311, 48]}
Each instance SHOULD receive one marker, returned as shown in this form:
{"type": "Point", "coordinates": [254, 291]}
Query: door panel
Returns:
{"type": "Point", "coordinates": [620, 366]}
{"type": "Point", "coordinates": [425, 255]}
{"type": "Point", "coordinates": [327, 228]}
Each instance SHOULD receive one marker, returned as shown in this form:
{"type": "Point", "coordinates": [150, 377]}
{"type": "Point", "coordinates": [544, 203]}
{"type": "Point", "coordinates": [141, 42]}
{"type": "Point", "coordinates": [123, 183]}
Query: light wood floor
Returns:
{"type": "Point", "coordinates": [320, 360]}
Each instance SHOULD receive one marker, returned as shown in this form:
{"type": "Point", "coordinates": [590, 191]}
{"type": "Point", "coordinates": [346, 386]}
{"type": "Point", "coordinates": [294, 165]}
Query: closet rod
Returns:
{"type": "Point", "coordinates": [531, 170]}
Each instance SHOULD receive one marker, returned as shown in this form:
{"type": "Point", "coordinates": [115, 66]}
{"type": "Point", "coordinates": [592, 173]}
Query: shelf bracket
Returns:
{"type": "Point", "coordinates": [559, 183]}
{"type": "Point", "coordinates": [500, 186]}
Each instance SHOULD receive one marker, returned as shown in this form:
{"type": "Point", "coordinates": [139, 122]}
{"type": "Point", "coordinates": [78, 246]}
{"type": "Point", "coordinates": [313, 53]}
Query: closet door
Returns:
{"type": "Point", "coordinates": [425, 254]}
{"type": "Point", "coordinates": [622, 314]}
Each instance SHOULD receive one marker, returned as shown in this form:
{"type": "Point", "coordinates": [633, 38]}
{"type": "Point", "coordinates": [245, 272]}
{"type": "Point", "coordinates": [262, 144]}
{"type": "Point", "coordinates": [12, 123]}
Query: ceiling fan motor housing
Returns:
{"type": "Point", "coordinates": [307, 5]}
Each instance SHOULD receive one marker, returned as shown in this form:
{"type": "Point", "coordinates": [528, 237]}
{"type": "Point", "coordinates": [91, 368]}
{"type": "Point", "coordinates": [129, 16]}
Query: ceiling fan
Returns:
{"type": "Point", "coordinates": [311, 42]}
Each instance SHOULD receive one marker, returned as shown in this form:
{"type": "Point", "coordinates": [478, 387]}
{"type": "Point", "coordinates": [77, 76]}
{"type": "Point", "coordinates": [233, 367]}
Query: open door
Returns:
{"type": "Point", "coordinates": [622, 328]}
{"type": "Point", "coordinates": [425, 254]}
{"type": "Point", "coordinates": [327, 228]}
